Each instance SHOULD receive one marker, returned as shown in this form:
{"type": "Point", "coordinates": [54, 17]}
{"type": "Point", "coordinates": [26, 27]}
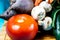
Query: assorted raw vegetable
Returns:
{"type": "Point", "coordinates": [25, 17]}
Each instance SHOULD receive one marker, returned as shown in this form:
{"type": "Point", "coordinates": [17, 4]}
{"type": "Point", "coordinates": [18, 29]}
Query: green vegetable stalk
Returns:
{"type": "Point", "coordinates": [56, 19]}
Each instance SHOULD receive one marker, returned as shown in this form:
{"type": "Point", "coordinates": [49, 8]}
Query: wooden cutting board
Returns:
{"type": "Point", "coordinates": [4, 36]}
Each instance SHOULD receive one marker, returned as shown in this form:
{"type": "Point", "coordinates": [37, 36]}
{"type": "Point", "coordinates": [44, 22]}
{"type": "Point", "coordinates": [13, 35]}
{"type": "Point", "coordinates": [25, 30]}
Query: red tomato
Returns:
{"type": "Point", "coordinates": [22, 27]}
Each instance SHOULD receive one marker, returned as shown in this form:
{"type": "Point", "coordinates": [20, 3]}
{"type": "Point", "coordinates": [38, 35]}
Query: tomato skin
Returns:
{"type": "Point", "coordinates": [22, 27]}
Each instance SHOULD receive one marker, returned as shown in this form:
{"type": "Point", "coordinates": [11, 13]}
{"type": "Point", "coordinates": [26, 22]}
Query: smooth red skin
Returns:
{"type": "Point", "coordinates": [24, 32]}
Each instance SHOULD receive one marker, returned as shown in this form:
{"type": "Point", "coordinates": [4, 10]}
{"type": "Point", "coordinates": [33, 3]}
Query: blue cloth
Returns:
{"type": "Point", "coordinates": [1, 23]}
{"type": "Point", "coordinates": [4, 4]}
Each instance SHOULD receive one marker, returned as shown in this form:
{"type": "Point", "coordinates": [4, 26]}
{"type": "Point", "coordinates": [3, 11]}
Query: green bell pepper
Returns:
{"type": "Point", "coordinates": [56, 23]}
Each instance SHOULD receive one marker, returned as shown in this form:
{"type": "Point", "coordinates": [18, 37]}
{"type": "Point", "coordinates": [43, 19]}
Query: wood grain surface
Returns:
{"type": "Point", "coordinates": [3, 34]}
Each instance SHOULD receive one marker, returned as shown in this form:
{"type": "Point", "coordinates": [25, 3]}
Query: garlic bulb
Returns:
{"type": "Point", "coordinates": [38, 13]}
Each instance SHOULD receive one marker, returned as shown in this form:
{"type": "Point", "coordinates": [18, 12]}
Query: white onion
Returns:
{"type": "Point", "coordinates": [47, 23]}
{"type": "Point", "coordinates": [46, 6]}
{"type": "Point", "coordinates": [38, 13]}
